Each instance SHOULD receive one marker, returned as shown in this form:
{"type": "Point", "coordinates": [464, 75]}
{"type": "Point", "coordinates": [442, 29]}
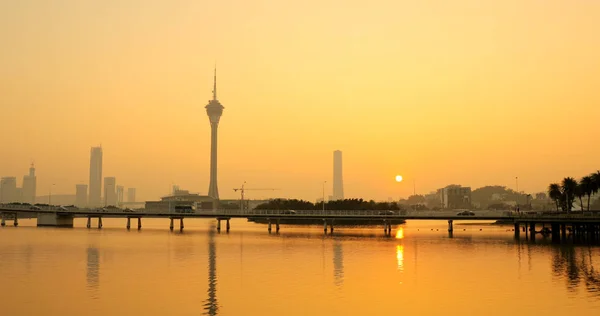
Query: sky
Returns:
{"type": "Point", "coordinates": [441, 92]}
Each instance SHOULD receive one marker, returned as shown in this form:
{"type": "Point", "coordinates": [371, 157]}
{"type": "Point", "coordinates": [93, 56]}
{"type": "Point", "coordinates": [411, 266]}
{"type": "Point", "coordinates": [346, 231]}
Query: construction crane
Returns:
{"type": "Point", "coordinates": [243, 189]}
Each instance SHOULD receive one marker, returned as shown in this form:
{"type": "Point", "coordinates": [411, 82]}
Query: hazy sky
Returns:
{"type": "Point", "coordinates": [466, 91]}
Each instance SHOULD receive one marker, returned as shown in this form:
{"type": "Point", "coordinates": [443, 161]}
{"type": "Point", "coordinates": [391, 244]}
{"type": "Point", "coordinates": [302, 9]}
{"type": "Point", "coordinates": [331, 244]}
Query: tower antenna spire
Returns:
{"type": "Point", "coordinates": [215, 84]}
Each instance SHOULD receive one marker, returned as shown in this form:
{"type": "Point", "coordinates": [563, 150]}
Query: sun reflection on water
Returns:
{"type": "Point", "coordinates": [400, 233]}
{"type": "Point", "coordinates": [400, 257]}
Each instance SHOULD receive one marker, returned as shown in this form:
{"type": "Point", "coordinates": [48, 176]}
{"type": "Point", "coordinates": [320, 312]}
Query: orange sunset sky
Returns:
{"type": "Point", "coordinates": [467, 91]}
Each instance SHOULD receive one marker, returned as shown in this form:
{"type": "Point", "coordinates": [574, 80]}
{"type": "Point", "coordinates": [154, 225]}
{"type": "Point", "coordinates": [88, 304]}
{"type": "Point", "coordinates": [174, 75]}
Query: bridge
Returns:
{"type": "Point", "coordinates": [584, 224]}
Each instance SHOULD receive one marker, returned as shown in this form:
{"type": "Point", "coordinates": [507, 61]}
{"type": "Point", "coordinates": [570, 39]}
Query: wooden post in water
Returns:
{"type": "Point", "coordinates": [89, 222]}
{"type": "Point", "coordinates": [171, 225]}
{"type": "Point", "coordinates": [181, 224]}
{"type": "Point", "coordinates": [228, 226]}
{"type": "Point", "coordinates": [128, 222]}
{"type": "Point", "coordinates": [139, 223]}
{"type": "Point", "coordinates": [99, 222]}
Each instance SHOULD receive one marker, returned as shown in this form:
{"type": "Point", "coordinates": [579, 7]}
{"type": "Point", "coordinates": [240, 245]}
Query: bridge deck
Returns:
{"type": "Point", "coordinates": [327, 214]}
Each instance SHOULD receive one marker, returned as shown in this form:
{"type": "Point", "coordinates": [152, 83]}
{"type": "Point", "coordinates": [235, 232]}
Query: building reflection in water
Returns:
{"type": "Point", "coordinates": [211, 306]}
{"type": "Point", "coordinates": [338, 263]}
{"type": "Point", "coordinates": [576, 266]}
{"type": "Point", "coordinates": [93, 268]}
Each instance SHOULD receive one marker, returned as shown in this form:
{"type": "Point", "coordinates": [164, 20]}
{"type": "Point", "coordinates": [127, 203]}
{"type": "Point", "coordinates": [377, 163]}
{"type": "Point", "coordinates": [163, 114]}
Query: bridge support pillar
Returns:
{"type": "Point", "coordinates": [3, 222]}
{"type": "Point", "coordinates": [228, 226]}
{"type": "Point", "coordinates": [181, 224]}
{"type": "Point", "coordinates": [517, 230]}
{"type": "Point", "coordinates": [171, 225]}
{"type": "Point", "coordinates": [532, 230]}
{"type": "Point", "coordinates": [89, 222]}
{"type": "Point", "coordinates": [277, 226]}
{"type": "Point", "coordinates": [16, 223]}
{"type": "Point", "coordinates": [219, 225]}
{"type": "Point", "coordinates": [128, 223]}
{"type": "Point", "coordinates": [555, 232]}
{"type": "Point", "coordinates": [139, 223]}
{"type": "Point", "coordinates": [450, 226]}
{"type": "Point", "coordinates": [269, 228]}
{"type": "Point", "coordinates": [325, 226]}
{"type": "Point", "coordinates": [331, 226]}
{"type": "Point", "coordinates": [99, 222]}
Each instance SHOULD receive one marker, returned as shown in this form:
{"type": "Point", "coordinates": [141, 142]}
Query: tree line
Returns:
{"type": "Point", "coordinates": [347, 204]}
{"type": "Point", "coordinates": [564, 194]}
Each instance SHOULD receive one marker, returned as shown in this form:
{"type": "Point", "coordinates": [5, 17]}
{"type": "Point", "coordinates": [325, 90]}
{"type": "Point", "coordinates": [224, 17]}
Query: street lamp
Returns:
{"type": "Point", "coordinates": [324, 196]}
{"type": "Point", "coordinates": [50, 194]}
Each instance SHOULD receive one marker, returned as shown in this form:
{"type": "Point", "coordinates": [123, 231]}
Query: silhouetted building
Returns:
{"type": "Point", "coordinates": [214, 110]}
{"type": "Point", "coordinates": [455, 197]}
{"type": "Point", "coordinates": [338, 182]}
{"type": "Point", "coordinates": [120, 192]}
{"type": "Point", "coordinates": [29, 186]}
{"type": "Point", "coordinates": [95, 193]}
{"type": "Point", "coordinates": [81, 195]}
{"type": "Point", "coordinates": [110, 191]}
{"type": "Point", "coordinates": [8, 190]}
{"type": "Point", "coordinates": [131, 195]}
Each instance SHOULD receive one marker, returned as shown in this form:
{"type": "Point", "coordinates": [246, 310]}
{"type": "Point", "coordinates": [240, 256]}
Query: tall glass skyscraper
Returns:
{"type": "Point", "coordinates": [95, 193]}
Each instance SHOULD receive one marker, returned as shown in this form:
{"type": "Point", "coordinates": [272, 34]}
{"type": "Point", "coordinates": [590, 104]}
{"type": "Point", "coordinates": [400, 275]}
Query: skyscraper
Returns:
{"type": "Point", "coordinates": [120, 192]}
{"type": "Point", "coordinates": [8, 190]}
{"type": "Point", "coordinates": [110, 193]}
{"type": "Point", "coordinates": [338, 182]}
{"type": "Point", "coordinates": [29, 186]}
{"type": "Point", "coordinates": [214, 110]}
{"type": "Point", "coordinates": [81, 195]}
{"type": "Point", "coordinates": [131, 195]}
{"type": "Point", "coordinates": [95, 194]}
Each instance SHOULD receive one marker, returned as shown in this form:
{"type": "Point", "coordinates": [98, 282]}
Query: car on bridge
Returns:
{"type": "Point", "coordinates": [387, 213]}
{"type": "Point", "coordinates": [35, 208]}
{"type": "Point", "coordinates": [465, 213]}
{"type": "Point", "coordinates": [288, 212]}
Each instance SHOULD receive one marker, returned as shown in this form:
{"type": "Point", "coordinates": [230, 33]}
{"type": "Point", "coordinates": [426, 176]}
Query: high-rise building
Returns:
{"type": "Point", "coordinates": [110, 193]}
{"type": "Point", "coordinates": [81, 195]}
{"type": "Point", "coordinates": [131, 195]}
{"type": "Point", "coordinates": [8, 190]}
{"type": "Point", "coordinates": [29, 186]}
{"type": "Point", "coordinates": [338, 182]}
{"type": "Point", "coordinates": [120, 192]}
{"type": "Point", "coordinates": [95, 194]}
{"type": "Point", "coordinates": [214, 110]}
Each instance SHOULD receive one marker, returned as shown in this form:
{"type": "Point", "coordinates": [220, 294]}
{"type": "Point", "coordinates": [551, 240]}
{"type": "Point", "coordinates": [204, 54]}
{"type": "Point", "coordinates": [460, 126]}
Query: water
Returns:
{"type": "Point", "coordinates": [419, 271]}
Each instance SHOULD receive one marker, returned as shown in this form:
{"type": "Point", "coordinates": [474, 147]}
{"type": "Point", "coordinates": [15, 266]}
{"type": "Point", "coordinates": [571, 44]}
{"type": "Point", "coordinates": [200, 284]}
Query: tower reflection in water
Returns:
{"type": "Point", "coordinates": [93, 268]}
{"type": "Point", "coordinates": [211, 306]}
{"type": "Point", "coordinates": [338, 263]}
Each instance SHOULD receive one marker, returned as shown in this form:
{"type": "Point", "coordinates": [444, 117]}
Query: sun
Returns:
{"type": "Point", "coordinates": [398, 178]}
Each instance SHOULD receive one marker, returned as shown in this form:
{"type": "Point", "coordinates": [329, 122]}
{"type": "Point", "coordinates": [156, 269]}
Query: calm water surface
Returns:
{"type": "Point", "coordinates": [355, 271]}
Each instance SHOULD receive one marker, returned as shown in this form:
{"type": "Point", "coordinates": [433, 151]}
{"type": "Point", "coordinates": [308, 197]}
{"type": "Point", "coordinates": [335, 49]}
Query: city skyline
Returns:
{"type": "Point", "coordinates": [438, 98]}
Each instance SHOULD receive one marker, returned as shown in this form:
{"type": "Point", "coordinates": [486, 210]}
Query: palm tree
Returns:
{"type": "Point", "coordinates": [569, 188]}
{"type": "Point", "coordinates": [555, 193]}
{"type": "Point", "coordinates": [586, 186]}
{"type": "Point", "coordinates": [595, 182]}
{"type": "Point", "coordinates": [580, 193]}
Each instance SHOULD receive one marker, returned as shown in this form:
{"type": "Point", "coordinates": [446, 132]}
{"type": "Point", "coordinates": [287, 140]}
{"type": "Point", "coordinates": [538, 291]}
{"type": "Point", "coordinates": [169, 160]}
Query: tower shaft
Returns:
{"type": "Point", "coordinates": [213, 190]}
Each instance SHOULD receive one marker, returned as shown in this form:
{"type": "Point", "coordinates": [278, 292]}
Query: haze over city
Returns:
{"type": "Point", "coordinates": [467, 92]}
